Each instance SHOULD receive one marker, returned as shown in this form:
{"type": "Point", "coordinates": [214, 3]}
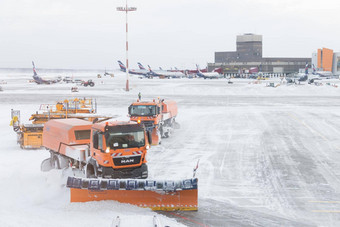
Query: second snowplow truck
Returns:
{"type": "Point", "coordinates": [114, 149]}
{"type": "Point", "coordinates": [158, 117]}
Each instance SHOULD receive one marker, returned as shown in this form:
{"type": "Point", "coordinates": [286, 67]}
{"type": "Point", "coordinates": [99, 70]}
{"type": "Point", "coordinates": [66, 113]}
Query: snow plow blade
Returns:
{"type": "Point", "coordinates": [157, 195]}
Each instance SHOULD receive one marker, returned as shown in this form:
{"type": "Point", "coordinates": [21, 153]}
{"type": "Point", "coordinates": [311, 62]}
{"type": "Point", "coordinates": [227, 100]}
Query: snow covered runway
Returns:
{"type": "Point", "coordinates": [268, 156]}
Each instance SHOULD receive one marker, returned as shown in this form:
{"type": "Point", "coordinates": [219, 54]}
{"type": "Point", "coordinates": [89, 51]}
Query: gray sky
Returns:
{"type": "Point", "coordinates": [90, 34]}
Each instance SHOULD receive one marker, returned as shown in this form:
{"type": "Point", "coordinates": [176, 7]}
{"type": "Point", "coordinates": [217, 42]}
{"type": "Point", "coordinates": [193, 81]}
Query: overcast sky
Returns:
{"type": "Point", "coordinates": [90, 34]}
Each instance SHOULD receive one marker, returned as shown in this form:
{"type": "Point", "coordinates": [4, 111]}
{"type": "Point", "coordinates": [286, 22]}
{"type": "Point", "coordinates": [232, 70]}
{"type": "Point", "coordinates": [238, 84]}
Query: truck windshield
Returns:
{"type": "Point", "coordinates": [143, 110]}
{"type": "Point", "coordinates": [118, 140]}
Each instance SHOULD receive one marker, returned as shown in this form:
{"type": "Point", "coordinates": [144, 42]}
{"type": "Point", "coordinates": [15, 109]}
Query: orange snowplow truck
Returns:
{"type": "Point", "coordinates": [158, 117]}
{"type": "Point", "coordinates": [109, 149]}
{"type": "Point", "coordinates": [103, 152]}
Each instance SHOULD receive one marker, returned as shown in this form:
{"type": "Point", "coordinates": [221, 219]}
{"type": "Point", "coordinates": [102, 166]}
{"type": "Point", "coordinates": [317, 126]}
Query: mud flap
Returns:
{"type": "Point", "coordinates": [156, 136]}
{"type": "Point", "coordinates": [157, 195]}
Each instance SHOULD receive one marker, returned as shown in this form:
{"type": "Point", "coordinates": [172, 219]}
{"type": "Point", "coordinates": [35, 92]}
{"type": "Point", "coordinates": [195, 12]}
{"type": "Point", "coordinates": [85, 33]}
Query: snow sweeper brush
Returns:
{"type": "Point", "coordinates": [157, 195]}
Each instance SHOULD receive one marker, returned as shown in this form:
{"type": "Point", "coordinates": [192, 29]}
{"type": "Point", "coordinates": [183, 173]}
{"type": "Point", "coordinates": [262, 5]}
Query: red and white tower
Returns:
{"type": "Point", "coordinates": [127, 9]}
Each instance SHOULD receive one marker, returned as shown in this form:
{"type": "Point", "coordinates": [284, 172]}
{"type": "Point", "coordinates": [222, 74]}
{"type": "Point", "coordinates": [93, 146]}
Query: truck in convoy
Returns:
{"type": "Point", "coordinates": [158, 117]}
{"type": "Point", "coordinates": [29, 136]}
{"type": "Point", "coordinates": [108, 162]}
{"type": "Point", "coordinates": [115, 149]}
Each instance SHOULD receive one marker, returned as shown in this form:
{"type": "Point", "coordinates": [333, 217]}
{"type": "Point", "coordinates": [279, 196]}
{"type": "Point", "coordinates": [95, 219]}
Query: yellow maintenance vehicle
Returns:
{"type": "Point", "coordinates": [29, 136]}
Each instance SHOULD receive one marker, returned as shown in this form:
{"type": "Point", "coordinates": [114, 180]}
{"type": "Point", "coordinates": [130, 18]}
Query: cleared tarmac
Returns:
{"type": "Point", "coordinates": [268, 156]}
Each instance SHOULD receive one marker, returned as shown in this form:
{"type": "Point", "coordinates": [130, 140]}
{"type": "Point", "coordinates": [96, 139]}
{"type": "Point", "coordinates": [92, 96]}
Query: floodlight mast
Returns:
{"type": "Point", "coordinates": [127, 9]}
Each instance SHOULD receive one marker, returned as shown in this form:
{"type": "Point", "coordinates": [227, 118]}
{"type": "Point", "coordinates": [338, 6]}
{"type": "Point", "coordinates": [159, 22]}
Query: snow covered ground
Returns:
{"type": "Point", "coordinates": [268, 156]}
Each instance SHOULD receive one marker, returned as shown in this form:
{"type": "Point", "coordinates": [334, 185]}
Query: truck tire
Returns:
{"type": "Point", "coordinates": [91, 84]}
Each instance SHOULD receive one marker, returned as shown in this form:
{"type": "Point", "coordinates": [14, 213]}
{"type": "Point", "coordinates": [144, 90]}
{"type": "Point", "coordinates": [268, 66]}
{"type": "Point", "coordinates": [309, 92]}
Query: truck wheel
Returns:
{"type": "Point", "coordinates": [85, 85]}
{"type": "Point", "coordinates": [91, 84]}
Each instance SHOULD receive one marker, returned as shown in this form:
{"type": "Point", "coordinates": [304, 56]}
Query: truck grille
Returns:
{"type": "Point", "coordinates": [128, 160]}
{"type": "Point", "coordinates": [147, 124]}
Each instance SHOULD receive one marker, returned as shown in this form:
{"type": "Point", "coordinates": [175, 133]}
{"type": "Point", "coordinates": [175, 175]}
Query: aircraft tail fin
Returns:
{"type": "Point", "coordinates": [198, 69]}
{"type": "Point", "coordinates": [218, 70]}
{"type": "Point", "coordinates": [34, 71]}
{"type": "Point", "coordinates": [122, 66]}
{"type": "Point", "coordinates": [140, 65]}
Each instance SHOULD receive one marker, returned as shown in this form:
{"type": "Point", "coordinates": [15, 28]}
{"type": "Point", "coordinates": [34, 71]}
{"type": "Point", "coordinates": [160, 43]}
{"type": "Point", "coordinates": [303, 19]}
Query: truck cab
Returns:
{"type": "Point", "coordinates": [147, 113]}
{"type": "Point", "coordinates": [114, 149]}
{"type": "Point", "coordinates": [158, 117]}
{"type": "Point", "coordinates": [120, 148]}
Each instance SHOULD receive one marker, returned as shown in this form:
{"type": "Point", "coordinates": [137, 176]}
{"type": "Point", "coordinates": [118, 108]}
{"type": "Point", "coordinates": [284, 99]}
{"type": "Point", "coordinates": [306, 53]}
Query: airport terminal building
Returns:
{"type": "Point", "coordinates": [248, 58]}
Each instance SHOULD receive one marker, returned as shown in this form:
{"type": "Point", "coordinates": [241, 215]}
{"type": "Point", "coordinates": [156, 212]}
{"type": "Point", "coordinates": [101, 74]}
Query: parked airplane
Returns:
{"type": "Point", "coordinates": [141, 66]}
{"type": "Point", "coordinates": [189, 72]}
{"type": "Point", "coordinates": [40, 80]}
{"type": "Point", "coordinates": [209, 75]}
{"type": "Point", "coordinates": [166, 74]}
{"type": "Point", "coordinates": [185, 71]}
{"type": "Point", "coordinates": [302, 77]}
{"type": "Point", "coordinates": [316, 72]}
{"type": "Point", "coordinates": [195, 71]}
{"type": "Point", "coordinates": [141, 72]}
{"type": "Point", "coordinates": [326, 74]}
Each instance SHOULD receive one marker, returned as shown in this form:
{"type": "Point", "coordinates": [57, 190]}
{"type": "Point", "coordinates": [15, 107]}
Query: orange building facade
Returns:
{"type": "Point", "coordinates": [325, 59]}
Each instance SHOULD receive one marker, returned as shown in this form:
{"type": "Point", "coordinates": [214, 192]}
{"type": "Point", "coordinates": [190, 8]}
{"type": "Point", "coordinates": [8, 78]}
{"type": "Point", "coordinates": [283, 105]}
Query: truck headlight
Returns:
{"type": "Point", "coordinates": [147, 147]}
{"type": "Point", "coordinates": [107, 150]}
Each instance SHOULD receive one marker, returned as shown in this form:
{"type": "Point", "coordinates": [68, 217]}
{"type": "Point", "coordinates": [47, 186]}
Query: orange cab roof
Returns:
{"type": "Point", "coordinates": [68, 123]}
{"type": "Point", "coordinates": [101, 125]}
{"type": "Point", "coordinates": [144, 103]}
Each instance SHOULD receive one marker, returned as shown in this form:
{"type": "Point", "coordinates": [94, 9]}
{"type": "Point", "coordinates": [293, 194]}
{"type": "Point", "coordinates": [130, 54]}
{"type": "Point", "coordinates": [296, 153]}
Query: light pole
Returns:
{"type": "Point", "coordinates": [127, 9]}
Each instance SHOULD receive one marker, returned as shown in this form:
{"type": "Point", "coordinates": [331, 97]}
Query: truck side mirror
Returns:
{"type": "Point", "coordinates": [158, 110]}
{"type": "Point", "coordinates": [130, 109]}
{"type": "Point", "coordinates": [149, 137]}
{"type": "Point", "coordinates": [95, 141]}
